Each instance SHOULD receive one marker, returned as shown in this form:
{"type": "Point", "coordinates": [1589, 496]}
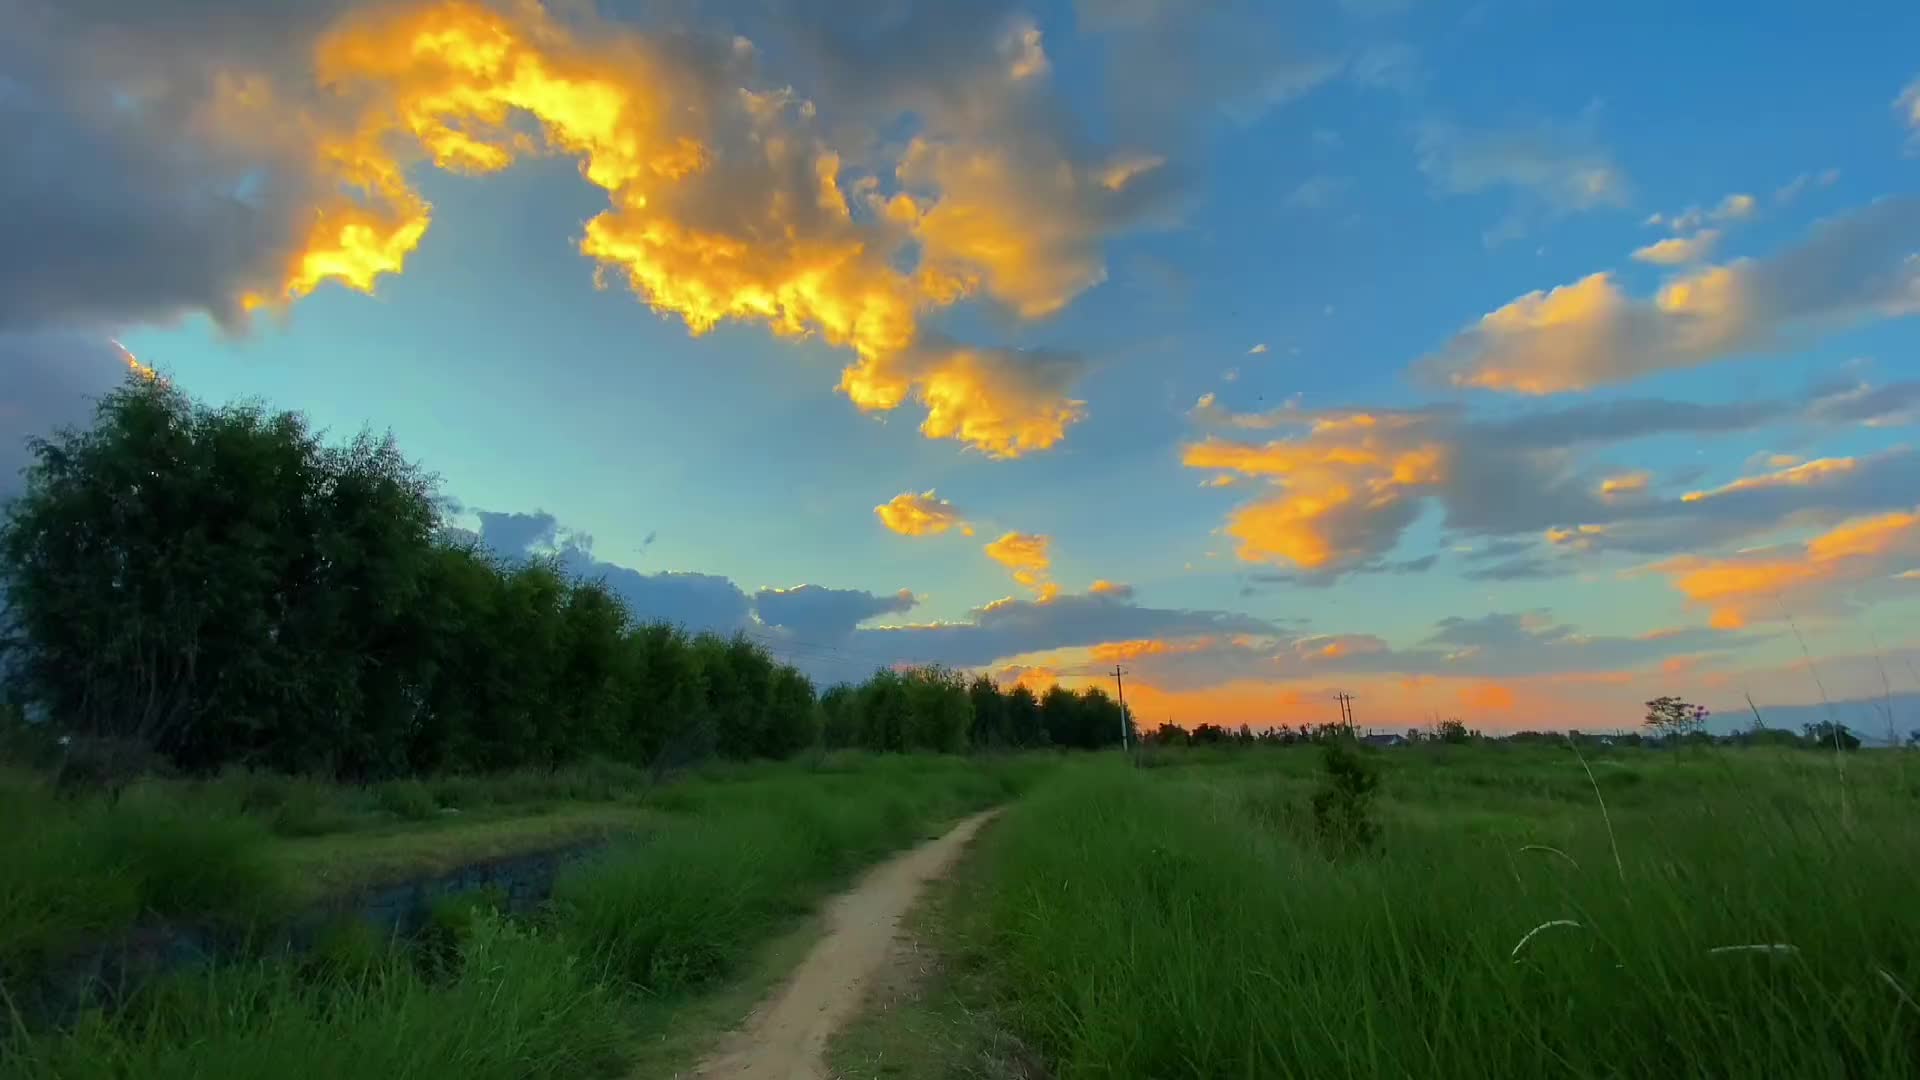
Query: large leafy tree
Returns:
{"type": "Point", "coordinates": [216, 583]}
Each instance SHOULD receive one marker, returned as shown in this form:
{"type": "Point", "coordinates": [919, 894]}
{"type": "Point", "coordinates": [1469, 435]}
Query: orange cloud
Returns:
{"type": "Point", "coordinates": [925, 514]}
{"type": "Point", "coordinates": [1120, 651]}
{"type": "Point", "coordinates": [1625, 484]}
{"type": "Point", "coordinates": [1810, 576]}
{"type": "Point", "coordinates": [1036, 679]}
{"type": "Point", "coordinates": [1027, 556]}
{"type": "Point", "coordinates": [1102, 587]}
{"type": "Point", "coordinates": [1580, 537]}
{"type": "Point", "coordinates": [1343, 489]}
{"type": "Point", "coordinates": [1799, 474]}
{"type": "Point", "coordinates": [724, 202]}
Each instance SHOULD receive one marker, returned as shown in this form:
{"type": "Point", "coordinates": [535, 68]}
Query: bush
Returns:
{"type": "Point", "coordinates": [1343, 807]}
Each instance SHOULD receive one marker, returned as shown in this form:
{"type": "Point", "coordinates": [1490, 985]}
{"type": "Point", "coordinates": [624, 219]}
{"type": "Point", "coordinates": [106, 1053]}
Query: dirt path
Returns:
{"type": "Point", "coordinates": [786, 1037]}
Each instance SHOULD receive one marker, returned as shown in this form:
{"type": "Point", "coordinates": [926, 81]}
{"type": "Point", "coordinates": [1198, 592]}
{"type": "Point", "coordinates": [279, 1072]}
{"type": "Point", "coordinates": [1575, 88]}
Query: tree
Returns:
{"type": "Point", "coordinates": [1827, 734]}
{"type": "Point", "coordinates": [940, 711]}
{"type": "Point", "coordinates": [1059, 714]}
{"type": "Point", "coordinates": [1673, 718]}
{"type": "Point", "coordinates": [1452, 731]}
{"type": "Point", "coordinates": [1024, 723]}
{"type": "Point", "coordinates": [219, 586]}
{"type": "Point", "coordinates": [990, 718]}
{"type": "Point", "coordinates": [840, 717]}
{"type": "Point", "coordinates": [216, 584]}
{"type": "Point", "coordinates": [1167, 735]}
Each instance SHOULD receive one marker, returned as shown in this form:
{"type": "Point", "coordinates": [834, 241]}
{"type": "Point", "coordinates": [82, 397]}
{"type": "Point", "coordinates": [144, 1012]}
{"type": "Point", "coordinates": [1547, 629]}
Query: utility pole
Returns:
{"type": "Point", "coordinates": [1119, 684]}
{"type": "Point", "coordinates": [1346, 709]}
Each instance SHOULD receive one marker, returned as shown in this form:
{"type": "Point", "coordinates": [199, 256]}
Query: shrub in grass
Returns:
{"type": "Point", "coordinates": [452, 920]}
{"type": "Point", "coordinates": [1343, 807]}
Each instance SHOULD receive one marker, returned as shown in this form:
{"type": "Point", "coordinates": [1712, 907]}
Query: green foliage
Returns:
{"type": "Point", "coordinates": [1343, 807]}
{"type": "Point", "coordinates": [1829, 735]}
{"type": "Point", "coordinates": [1452, 732]}
{"type": "Point", "coordinates": [990, 718]}
{"type": "Point", "coordinates": [215, 583]}
{"type": "Point", "coordinates": [1087, 720]}
{"type": "Point", "coordinates": [1024, 723]}
{"type": "Point", "coordinates": [218, 587]}
{"type": "Point", "coordinates": [94, 865]}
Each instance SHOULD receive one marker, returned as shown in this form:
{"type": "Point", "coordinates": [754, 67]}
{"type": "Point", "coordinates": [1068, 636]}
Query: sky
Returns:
{"type": "Point", "coordinates": [1516, 361]}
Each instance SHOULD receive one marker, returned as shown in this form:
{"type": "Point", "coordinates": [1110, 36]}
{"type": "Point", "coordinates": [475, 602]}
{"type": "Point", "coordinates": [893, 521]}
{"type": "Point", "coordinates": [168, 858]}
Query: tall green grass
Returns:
{"type": "Point", "coordinates": [743, 849]}
{"type": "Point", "coordinates": [70, 869]}
{"type": "Point", "coordinates": [1182, 921]}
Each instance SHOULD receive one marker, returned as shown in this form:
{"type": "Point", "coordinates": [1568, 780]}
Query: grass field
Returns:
{"type": "Point", "coordinates": [1728, 913]}
{"type": "Point", "coordinates": [615, 972]}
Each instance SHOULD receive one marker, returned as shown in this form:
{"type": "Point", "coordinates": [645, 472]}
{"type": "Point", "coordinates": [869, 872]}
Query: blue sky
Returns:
{"type": "Point", "coordinates": [1324, 220]}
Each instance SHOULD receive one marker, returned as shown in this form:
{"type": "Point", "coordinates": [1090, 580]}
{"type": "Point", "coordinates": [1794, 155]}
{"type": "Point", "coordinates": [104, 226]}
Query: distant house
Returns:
{"type": "Point", "coordinates": [1384, 740]}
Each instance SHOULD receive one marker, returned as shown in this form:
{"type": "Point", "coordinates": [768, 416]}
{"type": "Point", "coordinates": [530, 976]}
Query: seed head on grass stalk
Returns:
{"type": "Point", "coordinates": [1528, 936]}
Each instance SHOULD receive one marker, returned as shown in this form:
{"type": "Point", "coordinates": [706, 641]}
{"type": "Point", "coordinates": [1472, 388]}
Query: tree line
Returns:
{"type": "Point", "coordinates": [219, 586]}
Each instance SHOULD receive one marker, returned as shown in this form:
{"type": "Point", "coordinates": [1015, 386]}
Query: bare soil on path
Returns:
{"type": "Point", "coordinates": [786, 1037]}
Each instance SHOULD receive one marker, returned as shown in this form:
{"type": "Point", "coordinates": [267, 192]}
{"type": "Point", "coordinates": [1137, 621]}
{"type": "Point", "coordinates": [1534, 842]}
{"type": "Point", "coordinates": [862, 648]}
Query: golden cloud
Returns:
{"type": "Point", "coordinates": [1027, 556]}
{"type": "Point", "coordinates": [724, 204]}
{"type": "Point", "coordinates": [1631, 483]}
{"type": "Point", "coordinates": [1343, 488]}
{"type": "Point", "coordinates": [1846, 270]}
{"type": "Point", "coordinates": [1121, 651]}
{"type": "Point", "coordinates": [1797, 578]}
{"type": "Point", "coordinates": [1800, 474]}
{"type": "Point", "coordinates": [1677, 250]}
{"type": "Point", "coordinates": [925, 514]}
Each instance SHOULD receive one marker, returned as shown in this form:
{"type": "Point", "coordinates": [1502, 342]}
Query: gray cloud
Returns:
{"type": "Point", "coordinates": [1499, 549]}
{"type": "Point", "coordinates": [695, 601]}
{"type": "Point", "coordinates": [1169, 59]}
{"type": "Point", "coordinates": [47, 381]}
{"type": "Point", "coordinates": [120, 207]}
{"type": "Point", "coordinates": [815, 611]}
{"type": "Point", "coordinates": [1013, 627]}
{"type": "Point", "coordinates": [1496, 645]}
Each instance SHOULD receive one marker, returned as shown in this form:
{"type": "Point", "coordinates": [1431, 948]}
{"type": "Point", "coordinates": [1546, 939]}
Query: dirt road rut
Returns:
{"type": "Point", "coordinates": [786, 1037]}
